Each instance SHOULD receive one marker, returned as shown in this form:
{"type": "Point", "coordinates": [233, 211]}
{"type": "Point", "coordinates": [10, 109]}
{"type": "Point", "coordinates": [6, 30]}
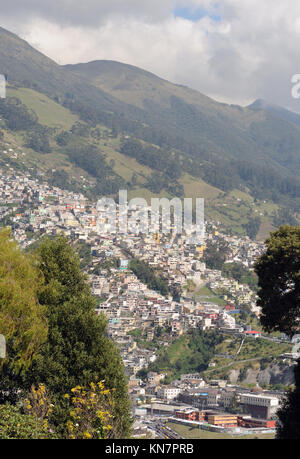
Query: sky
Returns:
{"type": "Point", "coordinates": [235, 51]}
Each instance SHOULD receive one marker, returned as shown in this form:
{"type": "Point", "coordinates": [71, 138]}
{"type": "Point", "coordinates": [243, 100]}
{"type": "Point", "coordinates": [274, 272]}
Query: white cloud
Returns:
{"type": "Point", "coordinates": [88, 12]}
{"type": "Point", "coordinates": [251, 52]}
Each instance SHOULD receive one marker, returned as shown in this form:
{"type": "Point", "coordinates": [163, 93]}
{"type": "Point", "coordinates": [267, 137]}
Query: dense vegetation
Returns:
{"type": "Point", "coordinates": [190, 353]}
{"type": "Point", "coordinates": [147, 275]}
{"type": "Point", "coordinates": [240, 273]}
{"type": "Point", "coordinates": [54, 338]}
{"type": "Point", "coordinates": [167, 165]}
{"type": "Point", "coordinates": [278, 271]}
{"type": "Point", "coordinates": [215, 254]}
{"type": "Point", "coordinates": [19, 118]}
{"type": "Point", "coordinates": [252, 227]}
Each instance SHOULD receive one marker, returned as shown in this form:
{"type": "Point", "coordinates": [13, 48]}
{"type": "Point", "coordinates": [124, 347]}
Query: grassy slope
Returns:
{"type": "Point", "coordinates": [205, 294]}
{"type": "Point", "coordinates": [49, 112]}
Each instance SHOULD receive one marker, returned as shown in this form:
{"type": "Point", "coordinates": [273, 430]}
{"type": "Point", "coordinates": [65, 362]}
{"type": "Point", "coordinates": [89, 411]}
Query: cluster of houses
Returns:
{"type": "Point", "coordinates": [36, 208]}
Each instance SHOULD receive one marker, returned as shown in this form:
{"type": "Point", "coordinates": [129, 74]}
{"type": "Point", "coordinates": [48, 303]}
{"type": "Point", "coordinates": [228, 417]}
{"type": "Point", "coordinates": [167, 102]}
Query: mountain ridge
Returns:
{"type": "Point", "coordinates": [176, 131]}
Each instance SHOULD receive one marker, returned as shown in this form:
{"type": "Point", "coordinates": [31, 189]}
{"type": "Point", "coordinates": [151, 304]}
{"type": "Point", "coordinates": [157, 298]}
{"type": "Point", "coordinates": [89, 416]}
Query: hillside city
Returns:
{"type": "Point", "coordinates": [143, 321]}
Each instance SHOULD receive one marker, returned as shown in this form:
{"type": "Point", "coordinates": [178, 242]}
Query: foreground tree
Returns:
{"type": "Point", "coordinates": [279, 281]}
{"type": "Point", "coordinates": [77, 350]}
{"type": "Point", "coordinates": [22, 319]}
{"type": "Point", "coordinates": [278, 271]}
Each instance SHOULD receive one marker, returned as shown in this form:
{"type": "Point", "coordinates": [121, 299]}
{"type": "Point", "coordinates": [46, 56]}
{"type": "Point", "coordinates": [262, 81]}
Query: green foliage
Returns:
{"type": "Point", "coordinates": [58, 178]}
{"type": "Point", "coordinates": [89, 158]}
{"type": "Point", "coordinates": [142, 373]}
{"type": "Point", "coordinates": [38, 140]}
{"type": "Point", "coordinates": [190, 353]}
{"type": "Point", "coordinates": [154, 157]}
{"type": "Point", "coordinates": [63, 138]}
{"type": "Point", "coordinates": [22, 319]}
{"type": "Point", "coordinates": [284, 216]}
{"type": "Point", "coordinates": [77, 350]}
{"type": "Point", "coordinates": [18, 426]}
{"type": "Point", "coordinates": [278, 271]}
{"type": "Point", "coordinates": [136, 333]}
{"type": "Point", "coordinates": [252, 227]}
{"type": "Point", "coordinates": [108, 264]}
{"type": "Point", "coordinates": [16, 115]}
{"type": "Point", "coordinates": [81, 129]}
{"type": "Point", "coordinates": [215, 254]}
{"type": "Point", "coordinates": [159, 160]}
{"type": "Point", "coordinates": [240, 273]}
{"type": "Point", "coordinates": [146, 274]}
{"type": "Point", "coordinates": [84, 251]}
{"type": "Point", "coordinates": [235, 407]}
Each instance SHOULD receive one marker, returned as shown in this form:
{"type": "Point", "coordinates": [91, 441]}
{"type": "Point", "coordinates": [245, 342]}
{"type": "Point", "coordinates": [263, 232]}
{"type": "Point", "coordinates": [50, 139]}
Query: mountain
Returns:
{"type": "Point", "coordinates": [227, 130]}
{"type": "Point", "coordinates": [276, 110]}
{"type": "Point", "coordinates": [123, 126]}
{"type": "Point", "coordinates": [25, 66]}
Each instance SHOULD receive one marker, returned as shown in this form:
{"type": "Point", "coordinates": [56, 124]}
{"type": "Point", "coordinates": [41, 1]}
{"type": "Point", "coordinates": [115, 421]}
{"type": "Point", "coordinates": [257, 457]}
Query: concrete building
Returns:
{"type": "Point", "coordinates": [259, 406]}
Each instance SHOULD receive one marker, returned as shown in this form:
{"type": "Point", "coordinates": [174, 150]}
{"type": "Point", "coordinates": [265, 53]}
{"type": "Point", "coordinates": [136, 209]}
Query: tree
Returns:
{"type": "Point", "coordinates": [63, 138]}
{"type": "Point", "coordinates": [215, 254]}
{"type": "Point", "coordinates": [147, 275]}
{"type": "Point", "coordinates": [252, 227]}
{"type": "Point", "coordinates": [77, 350]}
{"type": "Point", "coordinates": [22, 319]}
{"type": "Point", "coordinates": [278, 270]}
{"type": "Point", "coordinates": [289, 412]}
{"type": "Point", "coordinates": [284, 216]}
{"type": "Point", "coordinates": [240, 273]}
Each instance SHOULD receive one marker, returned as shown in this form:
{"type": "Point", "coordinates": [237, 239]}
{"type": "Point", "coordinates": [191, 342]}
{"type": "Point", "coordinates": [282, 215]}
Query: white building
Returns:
{"type": "Point", "coordinates": [168, 393]}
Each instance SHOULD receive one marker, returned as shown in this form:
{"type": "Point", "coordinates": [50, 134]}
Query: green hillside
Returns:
{"type": "Point", "coordinates": [195, 350]}
{"type": "Point", "coordinates": [120, 126]}
{"type": "Point", "coordinates": [228, 130]}
{"type": "Point", "coordinates": [232, 209]}
{"type": "Point", "coordinates": [49, 112]}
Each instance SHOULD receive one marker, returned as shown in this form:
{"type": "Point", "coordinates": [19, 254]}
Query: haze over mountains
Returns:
{"type": "Point", "coordinates": [254, 149]}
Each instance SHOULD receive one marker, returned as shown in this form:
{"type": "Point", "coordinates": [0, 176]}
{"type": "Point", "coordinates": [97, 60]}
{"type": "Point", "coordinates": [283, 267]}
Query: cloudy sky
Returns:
{"type": "Point", "coordinates": [233, 50]}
